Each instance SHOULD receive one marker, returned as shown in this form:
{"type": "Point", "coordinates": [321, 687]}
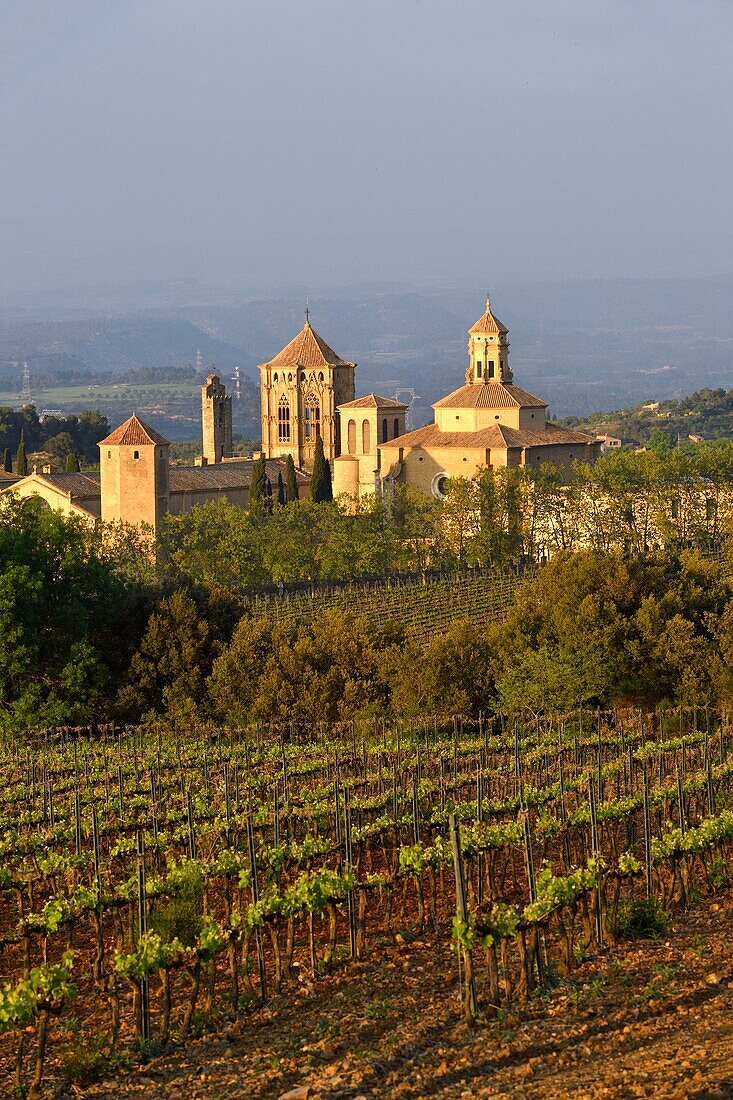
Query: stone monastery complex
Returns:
{"type": "Point", "coordinates": [307, 391]}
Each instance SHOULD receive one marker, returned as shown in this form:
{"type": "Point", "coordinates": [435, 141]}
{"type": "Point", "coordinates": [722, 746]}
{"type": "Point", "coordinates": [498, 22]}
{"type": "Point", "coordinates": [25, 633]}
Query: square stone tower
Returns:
{"type": "Point", "coordinates": [133, 475]}
{"type": "Point", "coordinates": [216, 421]}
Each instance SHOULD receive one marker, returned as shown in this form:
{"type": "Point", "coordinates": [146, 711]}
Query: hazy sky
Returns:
{"type": "Point", "coordinates": [332, 142]}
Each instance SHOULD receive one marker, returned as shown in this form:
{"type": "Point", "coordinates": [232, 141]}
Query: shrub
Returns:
{"type": "Point", "coordinates": [642, 918]}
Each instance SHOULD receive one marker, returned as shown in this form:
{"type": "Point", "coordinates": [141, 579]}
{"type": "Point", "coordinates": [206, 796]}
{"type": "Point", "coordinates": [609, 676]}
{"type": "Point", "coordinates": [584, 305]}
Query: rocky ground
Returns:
{"type": "Point", "coordinates": [646, 1019]}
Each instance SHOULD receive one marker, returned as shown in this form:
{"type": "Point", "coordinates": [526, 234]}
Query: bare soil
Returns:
{"type": "Point", "coordinates": [644, 1019]}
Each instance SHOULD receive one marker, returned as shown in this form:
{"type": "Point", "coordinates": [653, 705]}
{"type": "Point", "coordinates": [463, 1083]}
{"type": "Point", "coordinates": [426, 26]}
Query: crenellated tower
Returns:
{"type": "Point", "coordinates": [216, 421]}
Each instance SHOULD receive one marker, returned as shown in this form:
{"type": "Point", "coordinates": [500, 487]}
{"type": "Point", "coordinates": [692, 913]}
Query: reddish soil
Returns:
{"type": "Point", "coordinates": [645, 1019]}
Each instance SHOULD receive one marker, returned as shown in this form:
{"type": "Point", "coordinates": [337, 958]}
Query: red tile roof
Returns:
{"type": "Point", "coordinates": [490, 395]}
{"type": "Point", "coordinates": [307, 349]}
{"type": "Point", "coordinates": [496, 437]}
{"type": "Point", "coordinates": [488, 323]}
{"type": "Point", "coordinates": [373, 401]}
{"type": "Point", "coordinates": [134, 433]}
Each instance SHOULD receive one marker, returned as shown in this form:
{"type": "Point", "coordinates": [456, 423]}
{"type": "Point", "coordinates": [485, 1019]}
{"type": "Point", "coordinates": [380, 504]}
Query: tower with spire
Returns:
{"type": "Point", "coordinates": [300, 390]}
{"type": "Point", "coordinates": [488, 349]}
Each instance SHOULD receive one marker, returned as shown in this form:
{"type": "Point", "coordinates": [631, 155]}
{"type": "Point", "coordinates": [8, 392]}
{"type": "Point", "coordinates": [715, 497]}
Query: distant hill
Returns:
{"type": "Point", "coordinates": [115, 345]}
{"type": "Point", "coordinates": [706, 413]}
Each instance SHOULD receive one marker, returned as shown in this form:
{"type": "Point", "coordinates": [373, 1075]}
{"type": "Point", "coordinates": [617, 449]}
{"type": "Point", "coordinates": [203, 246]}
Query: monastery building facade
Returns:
{"type": "Point", "coordinates": [308, 391]}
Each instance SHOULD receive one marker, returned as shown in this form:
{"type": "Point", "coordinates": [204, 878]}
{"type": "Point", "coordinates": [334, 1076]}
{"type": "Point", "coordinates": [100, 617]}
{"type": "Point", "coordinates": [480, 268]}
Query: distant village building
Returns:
{"type": "Point", "coordinates": [608, 443]}
{"type": "Point", "coordinates": [307, 392]}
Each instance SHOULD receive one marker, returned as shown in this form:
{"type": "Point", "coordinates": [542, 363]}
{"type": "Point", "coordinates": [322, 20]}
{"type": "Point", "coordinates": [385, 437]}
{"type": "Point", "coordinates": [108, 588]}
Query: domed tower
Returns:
{"type": "Point", "coordinates": [488, 350]}
{"type": "Point", "coordinates": [300, 390]}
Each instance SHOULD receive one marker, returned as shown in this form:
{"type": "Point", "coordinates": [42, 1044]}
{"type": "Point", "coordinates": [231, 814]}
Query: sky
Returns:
{"type": "Point", "coordinates": [333, 143]}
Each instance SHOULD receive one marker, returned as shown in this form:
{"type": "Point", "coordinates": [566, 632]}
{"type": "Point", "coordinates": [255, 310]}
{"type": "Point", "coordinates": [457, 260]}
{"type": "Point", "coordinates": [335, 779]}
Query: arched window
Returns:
{"type": "Point", "coordinates": [312, 418]}
{"type": "Point", "coordinates": [283, 420]}
{"type": "Point", "coordinates": [366, 437]}
{"type": "Point", "coordinates": [352, 437]}
{"type": "Point", "coordinates": [385, 431]}
{"type": "Point", "coordinates": [396, 427]}
{"type": "Point", "coordinates": [274, 377]}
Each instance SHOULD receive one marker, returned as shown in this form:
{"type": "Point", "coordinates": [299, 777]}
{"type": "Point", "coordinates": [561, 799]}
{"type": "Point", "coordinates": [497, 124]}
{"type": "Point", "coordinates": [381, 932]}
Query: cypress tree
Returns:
{"type": "Point", "coordinates": [21, 462]}
{"type": "Point", "coordinates": [8, 461]}
{"type": "Point", "coordinates": [280, 488]}
{"type": "Point", "coordinates": [291, 482]}
{"type": "Point", "coordinates": [268, 495]}
{"type": "Point", "coordinates": [260, 489]}
{"type": "Point", "coordinates": [72, 463]}
{"type": "Point", "coordinates": [321, 488]}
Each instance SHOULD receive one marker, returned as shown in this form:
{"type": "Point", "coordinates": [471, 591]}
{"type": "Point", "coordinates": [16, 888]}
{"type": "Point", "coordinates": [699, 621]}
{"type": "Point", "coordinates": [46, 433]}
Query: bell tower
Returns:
{"type": "Point", "coordinates": [488, 350]}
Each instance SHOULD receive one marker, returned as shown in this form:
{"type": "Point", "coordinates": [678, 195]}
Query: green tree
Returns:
{"type": "Point", "coordinates": [217, 545]}
{"type": "Point", "coordinates": [321, 486]}
{"type": "Point", "coordinates": [460, 519]}
{"type": "Point", "coordinates": [329, 671]}
{"type": "Point", "coordinates": [69, 616]}
{"type": "Point", "coordinates": [60, 447]}
{"type": "Point", "coordinates": [167, 673]}
{"type": "Point", "coordinates": [291, 481]}
{"type": "Point", "coordinates": [281, 498]}
{"type": "Point", "coordinates": [8, 460]}
{"type": "Point", "coordinates": [72, 463]}
{"type": "Point", "coordinates": [21, 462]}
{"type": "Point", "coordinates": [455, 674]}
{"type": "Point", "coordinates": [596, 628]}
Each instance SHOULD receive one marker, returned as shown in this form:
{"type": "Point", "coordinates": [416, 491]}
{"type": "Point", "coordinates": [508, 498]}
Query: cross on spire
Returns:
{"type": "Point", "coordinates": [307, 311]}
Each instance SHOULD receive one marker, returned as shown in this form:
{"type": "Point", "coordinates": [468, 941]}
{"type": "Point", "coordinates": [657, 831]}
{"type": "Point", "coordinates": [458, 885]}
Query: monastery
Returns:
{"type": "Point", "coordinates": [307, 391]}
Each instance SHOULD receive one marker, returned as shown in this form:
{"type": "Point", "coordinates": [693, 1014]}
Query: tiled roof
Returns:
{"type": "Point", "coordinates": [496, 437]}
{"type": "Point", "coordinates": [133, 433]}
{"type": "Point", "coordinates": [223, 475]}
{"type": "Point", "coordinates": [79, 485]}
{"type": "Point", "coordinates": [373, 401]}
{"type": "Point", "coordinates": [488, 323]}
{"type": "Point", "coordinates": [307, 349]}
{"type": "Point", "coordinates": [8, 478]}
{"type": "Point", "coordinates": [490, 395]}
{"type": "Point", "coordinates": [84, 489]}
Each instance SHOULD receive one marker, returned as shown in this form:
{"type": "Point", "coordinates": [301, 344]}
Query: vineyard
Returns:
{"type": "Point", "coordinates": [424, 606]}
{"type": "Point", "coordinates": [161, 885]}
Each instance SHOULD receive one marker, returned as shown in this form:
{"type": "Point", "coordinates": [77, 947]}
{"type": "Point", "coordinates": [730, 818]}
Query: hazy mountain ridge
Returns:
{"type": "Point", "coordinates": [116, 344]}
{"type": "Point", "coordinates": [583, 346]}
